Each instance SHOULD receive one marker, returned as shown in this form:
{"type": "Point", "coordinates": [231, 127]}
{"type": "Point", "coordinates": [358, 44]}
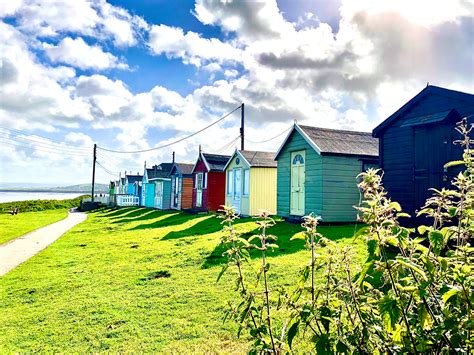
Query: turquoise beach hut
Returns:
{"type": "Point", "coordinates": [317, 170]}
{"type": "Point", "coordinates": [156, 191]}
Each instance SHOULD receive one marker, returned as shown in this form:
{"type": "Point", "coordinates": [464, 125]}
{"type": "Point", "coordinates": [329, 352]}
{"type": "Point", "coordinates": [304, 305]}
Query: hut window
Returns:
{"type": "Point", "coordinates": [230, 180]}
{"type": "Point", "coordinates": [246, 181]}
{"type": "Point", "coordinates": [298, 159]}
{"type": "Point", "coordinates": [205, 181]}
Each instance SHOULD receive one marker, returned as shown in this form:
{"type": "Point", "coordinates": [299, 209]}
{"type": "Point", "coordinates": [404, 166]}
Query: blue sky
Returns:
{"type": "Point", "coordinates": [132, 75]}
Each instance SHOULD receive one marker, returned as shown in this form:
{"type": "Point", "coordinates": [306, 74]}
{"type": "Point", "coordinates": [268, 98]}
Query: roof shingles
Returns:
{"type": "Point", "coordinates": [259, 159]}
{"type": "Point", "coordinates": [216, 162]}
{"type": "Point", "coordinates": [332, 141]}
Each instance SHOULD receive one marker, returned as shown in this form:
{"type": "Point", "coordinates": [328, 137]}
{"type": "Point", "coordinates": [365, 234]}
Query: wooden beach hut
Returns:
{"type": "Point", "coordinates": [251, 182]}
{"type": "Point", "coordinates": [148, 186]}
{"type": "Point", "coordinates": [209, 182]}
{"type": "Point", "coordinates": [417, 140]}
{"type": "Point", "coordinates": [162, 188]}
{"type": "Point", "coordinates": [317, 169]}
{"type": "Point", "coordinates": [181, 186]}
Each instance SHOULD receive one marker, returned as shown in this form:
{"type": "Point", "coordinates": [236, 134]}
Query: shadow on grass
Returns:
{"type": "Point", "coordinates": [140, 215]}
{"type": "Point", "coordinates": [206, 225]}
{"type": "Point", "coordinates": [284, 231]}
{"type": "Point", "coordinates": [118, 211]}
{"type": "Point", "coordinates": [174, 218]}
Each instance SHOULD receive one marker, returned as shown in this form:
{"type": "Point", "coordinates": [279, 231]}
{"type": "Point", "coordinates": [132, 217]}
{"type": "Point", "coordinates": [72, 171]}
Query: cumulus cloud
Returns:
{"type": "Point", "coordinates": [351, 76]}
{"type": "Point", "coordinates": [34, 95]}
{"type": "Point", "coordinates": [50, 18]}
{"type": "Point", "coordinates": [190, 46]}
{"type": "Point", "coordinates": [78, 53]}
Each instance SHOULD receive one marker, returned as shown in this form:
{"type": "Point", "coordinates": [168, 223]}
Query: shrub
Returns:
{"type": "Point", "coordinates": [41, 205]}
{"type": "Point", "coordinates": [417, 299]}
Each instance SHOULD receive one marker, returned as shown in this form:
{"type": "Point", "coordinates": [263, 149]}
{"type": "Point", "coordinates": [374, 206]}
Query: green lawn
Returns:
{"type": "Point", "coordinates": [136, 280]}
{"type": "Point", "coordinates": [12, 227]}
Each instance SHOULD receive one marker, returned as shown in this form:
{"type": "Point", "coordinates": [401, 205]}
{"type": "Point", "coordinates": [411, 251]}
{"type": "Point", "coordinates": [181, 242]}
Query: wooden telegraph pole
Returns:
{"type": "Point", "coordinates": [242, 124]}
{"type": "Point", "coordinates": [93, 170]}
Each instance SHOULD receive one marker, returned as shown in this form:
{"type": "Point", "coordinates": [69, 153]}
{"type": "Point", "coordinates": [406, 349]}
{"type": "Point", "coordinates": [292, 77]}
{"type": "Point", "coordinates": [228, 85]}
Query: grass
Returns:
{"type": "Point", "coordinates": [136, 280]}
{"type": "Point", "coordinates": [41, 205]}
{"type": "Point", "coordinates": [12, 227]}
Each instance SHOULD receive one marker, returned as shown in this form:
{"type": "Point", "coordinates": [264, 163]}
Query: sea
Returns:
{"type": "Point", "coordinates": [10, 196]}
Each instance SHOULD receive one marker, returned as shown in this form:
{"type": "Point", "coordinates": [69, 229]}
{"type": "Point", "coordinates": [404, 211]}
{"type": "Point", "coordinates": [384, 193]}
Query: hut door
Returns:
{"type": "Point", "coordinates": [159, 194]}
{"type": "Point", "coordinates": [237, 195]}
{"type": "Point", "coordinates": [297, 183]}
{"type": "Point", "coordinates": [176, 189]}
{"type": "Point", "coordinates": [199, 178]}
{"type": "Point", "coordinates": [149, 195]}
{"type": "Point", "coordinates": [431, 153]}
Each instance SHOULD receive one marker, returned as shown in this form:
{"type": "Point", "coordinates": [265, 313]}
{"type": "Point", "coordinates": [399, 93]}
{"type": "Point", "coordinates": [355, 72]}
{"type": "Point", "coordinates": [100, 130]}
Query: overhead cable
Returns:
{"type": "Point", "coordinates": [175, 142]}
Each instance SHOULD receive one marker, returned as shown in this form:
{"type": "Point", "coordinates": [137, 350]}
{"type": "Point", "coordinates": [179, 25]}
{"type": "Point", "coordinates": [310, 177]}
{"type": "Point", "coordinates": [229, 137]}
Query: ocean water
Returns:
{"type": "Point", "coordinates": [22, 196]}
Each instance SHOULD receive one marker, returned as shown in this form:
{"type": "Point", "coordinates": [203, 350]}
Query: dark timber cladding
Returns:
{"type": "Point", "coordinates": [417, 140]}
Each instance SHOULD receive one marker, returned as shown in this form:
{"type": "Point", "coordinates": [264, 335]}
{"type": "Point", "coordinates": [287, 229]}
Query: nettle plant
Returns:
{"type": "Point", "coordinates": [414, 294]}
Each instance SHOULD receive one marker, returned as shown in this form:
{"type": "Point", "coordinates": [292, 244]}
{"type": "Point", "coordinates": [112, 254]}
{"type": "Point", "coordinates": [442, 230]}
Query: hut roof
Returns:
{"type": "Point", "coordinates": [215, 162]}
{"type": "Point", "coordinates": [259, 159]}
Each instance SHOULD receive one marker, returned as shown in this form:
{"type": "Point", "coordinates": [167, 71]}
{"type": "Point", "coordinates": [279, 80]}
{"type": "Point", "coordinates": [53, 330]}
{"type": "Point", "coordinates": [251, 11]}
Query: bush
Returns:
{"type": "Point", "coordinates": [41, 205]}
{"type": "Point", "coordinates": [416, 300]}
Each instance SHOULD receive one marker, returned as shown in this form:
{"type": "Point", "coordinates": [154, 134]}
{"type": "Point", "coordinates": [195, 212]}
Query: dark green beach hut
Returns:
{"type": "Point", "coordinates": [317, 169]}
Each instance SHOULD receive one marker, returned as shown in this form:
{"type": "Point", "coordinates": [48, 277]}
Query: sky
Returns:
{"type": "Point", "coordinates": [133, 75]}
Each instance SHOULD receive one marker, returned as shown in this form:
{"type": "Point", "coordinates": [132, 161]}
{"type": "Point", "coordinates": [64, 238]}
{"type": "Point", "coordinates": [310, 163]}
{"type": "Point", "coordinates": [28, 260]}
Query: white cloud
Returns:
{"type": "Point", "coordinates": [50, 18]}
{"type": "Point", "coordinates": [381, 55]}
{"type": "Point", "coordinates": [190, 46]}
{"type": "Point", "coordinates": [78, 53]}
{"type": "Point", "coordinates": [34, 95]}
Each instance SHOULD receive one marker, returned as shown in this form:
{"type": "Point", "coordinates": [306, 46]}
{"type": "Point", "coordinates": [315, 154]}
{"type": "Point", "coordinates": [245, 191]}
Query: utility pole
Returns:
{"type": "Point", "coordinates": [93, 171]}
{"type": "Point", "coordinates": [242, 124]}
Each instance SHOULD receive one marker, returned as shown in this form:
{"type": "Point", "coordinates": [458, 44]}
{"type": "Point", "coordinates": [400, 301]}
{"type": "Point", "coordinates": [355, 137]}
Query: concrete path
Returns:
{"type": "Point", "coordinates": [21, 249]}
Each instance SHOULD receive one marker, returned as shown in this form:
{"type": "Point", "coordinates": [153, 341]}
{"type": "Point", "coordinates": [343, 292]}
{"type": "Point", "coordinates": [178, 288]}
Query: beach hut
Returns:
{"type": "Point", "coordinates": [317, 169]}
{"type": "Point", "coordinates": [162, 188]}
{"type": "Point", "coordinates": [133, 183]}
{"type": "Point", "coordinates": [181, 186]}
{"type": "Point", "coordinates": [209, 182]}
{"type": "Point", "coordinates": [148, 187]}
{"type": "Point", "coordinates": [417, 140]}
{"type": "Point", "coordinates": [251, 182]}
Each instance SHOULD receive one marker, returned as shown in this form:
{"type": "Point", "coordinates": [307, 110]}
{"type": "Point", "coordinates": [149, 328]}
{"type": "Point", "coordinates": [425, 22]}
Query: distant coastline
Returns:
{"type": "Point", "coordinates": [51, 190]}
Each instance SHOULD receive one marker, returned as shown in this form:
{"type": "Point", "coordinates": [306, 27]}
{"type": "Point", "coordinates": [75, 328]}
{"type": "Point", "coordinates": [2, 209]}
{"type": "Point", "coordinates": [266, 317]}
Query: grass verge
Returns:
{"type": "Point", "coordinates": [136, 280]}
{"type": "Point", "coordinates": [12, 227]}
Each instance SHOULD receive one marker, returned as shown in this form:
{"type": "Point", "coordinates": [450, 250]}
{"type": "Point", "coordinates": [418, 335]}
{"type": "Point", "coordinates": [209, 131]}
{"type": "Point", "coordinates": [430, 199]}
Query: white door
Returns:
{"type": "Point", "coordinates": [176, 190]}
{"type": "Point", "coordinates": [297, 193]}
{"type": "Point", "coordinates": [159, 194]}
{"type": "Point", "coordinates": [199, 178]}
{"type": "Point", "coordinates": [237, 185]}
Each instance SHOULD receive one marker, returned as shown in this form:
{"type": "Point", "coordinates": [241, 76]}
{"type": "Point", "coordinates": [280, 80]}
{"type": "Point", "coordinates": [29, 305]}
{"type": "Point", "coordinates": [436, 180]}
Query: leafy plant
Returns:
{"type": "Point", "coordinates": [413, 295]}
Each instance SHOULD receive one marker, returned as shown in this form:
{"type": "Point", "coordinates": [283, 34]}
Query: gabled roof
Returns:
{"type": "Point", "coordinates": [133, 178]}
{"type": "Point", "coordinates": [255, 159]}
{"type": "Point", "coordinates": [430, 89]}
{"type": "Point", "coordinates": [327, 141]}
{"type": "Point", "coordinates": [160, 171]}
{"type": "Point", "coordinates": [213, 162]}
{"type": "Point", "coordinates": [182, 168]}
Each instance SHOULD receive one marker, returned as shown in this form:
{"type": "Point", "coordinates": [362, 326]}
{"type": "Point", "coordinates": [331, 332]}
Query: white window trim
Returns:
{"type": "Point", "coordinates": [246, 182]}
{"type": "Point", "coordinates": [230, 182]}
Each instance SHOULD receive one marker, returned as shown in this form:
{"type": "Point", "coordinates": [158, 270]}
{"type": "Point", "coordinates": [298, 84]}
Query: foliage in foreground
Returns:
{"type": "Point", "coordinates": [413, 295]}
{"type": "Point", "coordinates": [41, 205]}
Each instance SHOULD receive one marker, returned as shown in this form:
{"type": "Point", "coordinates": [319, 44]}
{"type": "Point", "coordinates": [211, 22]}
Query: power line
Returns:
{"type": "Point", "coordinates": [105, 169]}
{"type": "Point", "coordinates": [228, 145]}
{"type": "Point", "coordinates": [50, 150]}
{"type": "Point", "coordinates": [270, 139]}
{"type": "Point", "coordinates": [16, 133]}
{"type": "Point", "coordinates": [177, 141]}
{"type": "Point", "coordinates": [44, 145]}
